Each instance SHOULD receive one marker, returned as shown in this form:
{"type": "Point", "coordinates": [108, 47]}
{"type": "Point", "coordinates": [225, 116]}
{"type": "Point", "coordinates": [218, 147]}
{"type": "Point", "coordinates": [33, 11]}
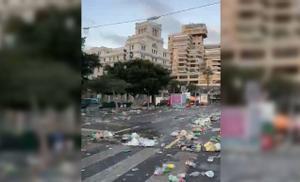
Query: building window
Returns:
{"type": "Point", "coordinates": [141, 30]}
{"type": "Point", "coordinates": [194, 76]}
{"type": "Point", "coordinates": [154, 32]}
{"type": "Point", "coordinates": [285, 52]}
{"type": "Point", "coordinates": [246, 14]}
{"type": "Point", "coordinates": [182, 77]}
{"type": "Point", "coordinates": [164, 54]}
{"type": "Point", "coordinates": [252, 54]}
{"type": "Point", "coordinates": [143, 47]}
{"type": "Point", "coordinates": [132, 47]}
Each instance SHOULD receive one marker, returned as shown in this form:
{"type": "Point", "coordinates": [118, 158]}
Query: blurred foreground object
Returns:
{"type": "Point", "coordinates": [260, 85]}
{"type": "Point", "coordinates": [40, 89]}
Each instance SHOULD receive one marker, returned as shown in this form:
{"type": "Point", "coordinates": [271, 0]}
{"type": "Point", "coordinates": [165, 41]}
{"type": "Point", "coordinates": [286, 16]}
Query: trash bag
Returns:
{"type": "Point", "coordinates": [173, 178]}
{"type": "Point", "coordinates": [210, 147]}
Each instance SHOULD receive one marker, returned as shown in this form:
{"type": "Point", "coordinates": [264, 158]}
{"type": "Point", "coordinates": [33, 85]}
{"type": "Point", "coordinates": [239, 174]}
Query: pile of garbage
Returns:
{"type": "Point", "coordinates": [203, 122]}
{"type": "Point", "coordinates": [185, 140]}
{"type": "Point", "coordinates": [102, 135]}
{"type": "Point", "coordinates": [136, 140]}
{"type": "Point", "coordinates": [166, 168]}
{"type": "Point", "coordinates": [212, 147]}
{"type": "Point", "coordinates": [178, 178]}
{"type": "Point", "coordinates": [200, 126]}
{"type": "Point", "coordinates": [189, 140]}
{"type": "Point", "coordinates": [215, 117]}
{"type": "Point", "coordinates": [209, 174]}
{"type": "Point", "coordinates": [135, 111]}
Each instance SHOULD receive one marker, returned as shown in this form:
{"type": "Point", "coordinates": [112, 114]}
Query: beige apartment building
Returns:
{"type": "Point", "coordinates": [146, 43]}
{"type": "Point", "coordinates": [189, 57]}
{"type": "Point", "coordinates": [262, 34]}
{"type": "Point", "coordinates": [107, 56]}
{"type": "Point", "coordinates": [186, 51]}
{"type": "Point", "coordinates": [212, 59]}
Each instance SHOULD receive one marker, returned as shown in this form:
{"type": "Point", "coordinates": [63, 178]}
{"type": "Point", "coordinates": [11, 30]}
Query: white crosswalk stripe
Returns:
{"type": "Point", "coordinates": [112, 173]}
{"type": "Point", "coordinates": [102, 155]}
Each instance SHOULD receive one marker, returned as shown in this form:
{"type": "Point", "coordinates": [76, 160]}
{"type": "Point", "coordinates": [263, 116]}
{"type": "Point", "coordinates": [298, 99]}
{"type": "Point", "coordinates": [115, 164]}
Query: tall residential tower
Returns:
{"type": "Point", "coordinates": [186, 51]}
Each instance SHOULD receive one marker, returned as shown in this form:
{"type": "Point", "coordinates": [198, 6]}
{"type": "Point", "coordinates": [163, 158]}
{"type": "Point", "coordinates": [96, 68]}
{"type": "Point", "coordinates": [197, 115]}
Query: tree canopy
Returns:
{"type": "Point", "coordinates": [42, 64]}
{"type": "Point", "coordinates": [193, 89]}
{"type": "Point", "coordinates": [108, 85]}
{"type": "Point", "coordinates": [142, 76]}
{"type": "Point", "coordinates": [28, 82]}
{"type": "Point", "coordinates": [207, 72]}
{"type": "Point", "coordinates": [174, 86]}
{"type": "Point", "coordinates": [54, 33]}
{"type": "Point", "coordinates": [88, 63]}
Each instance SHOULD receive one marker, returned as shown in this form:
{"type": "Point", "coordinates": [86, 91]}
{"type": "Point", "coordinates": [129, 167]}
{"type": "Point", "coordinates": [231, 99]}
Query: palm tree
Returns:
{"type": "Point", "coordinates": [207, 72]}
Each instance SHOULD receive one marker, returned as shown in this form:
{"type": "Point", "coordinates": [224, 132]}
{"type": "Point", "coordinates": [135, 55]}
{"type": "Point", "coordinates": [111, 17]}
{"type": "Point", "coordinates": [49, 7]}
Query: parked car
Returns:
{"type": "Point", "coordinates": [86, 102]}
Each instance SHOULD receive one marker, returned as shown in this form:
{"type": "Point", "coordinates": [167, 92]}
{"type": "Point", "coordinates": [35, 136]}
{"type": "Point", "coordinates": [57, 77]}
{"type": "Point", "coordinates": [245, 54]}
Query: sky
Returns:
{"type": "Point", "coordinates": [97, 12]}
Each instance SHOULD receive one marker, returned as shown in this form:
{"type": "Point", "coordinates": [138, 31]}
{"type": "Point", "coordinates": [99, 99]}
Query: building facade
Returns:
{"type": "Point", "coordinates": [262, 34]}
{"type": "Point", "coordinates": [186, 51]}
{"type": "Point", "coordinates": [146, 44]}
{"type": "Point", "coordinates": [212, 59]}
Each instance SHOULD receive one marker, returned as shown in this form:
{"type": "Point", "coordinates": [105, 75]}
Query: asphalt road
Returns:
{"type": "Point", "coordinates": [112, 161]}
{"type": "Point", "coordinates": [241, 166]}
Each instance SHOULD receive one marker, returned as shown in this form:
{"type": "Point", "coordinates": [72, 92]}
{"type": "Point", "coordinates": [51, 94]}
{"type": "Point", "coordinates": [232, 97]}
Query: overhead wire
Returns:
{"type": "Point", "coordinates": [151, 18]}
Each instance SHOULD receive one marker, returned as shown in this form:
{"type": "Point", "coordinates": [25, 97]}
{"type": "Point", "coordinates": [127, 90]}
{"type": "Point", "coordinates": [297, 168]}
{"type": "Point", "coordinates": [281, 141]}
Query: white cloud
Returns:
{"type": "Point", "coordinates": [213, 36]}
{"type": "Point", "coordinates": [112, 38]}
